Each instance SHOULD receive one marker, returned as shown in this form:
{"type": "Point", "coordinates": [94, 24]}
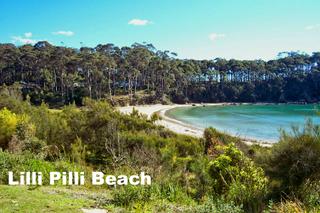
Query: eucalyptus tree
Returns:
{"type": "Point", "coordinates": [9, 56]}
{"type": "Point", "coordinates": [86, 68]}
{"type": "Point", "coordinates": [62, 74]}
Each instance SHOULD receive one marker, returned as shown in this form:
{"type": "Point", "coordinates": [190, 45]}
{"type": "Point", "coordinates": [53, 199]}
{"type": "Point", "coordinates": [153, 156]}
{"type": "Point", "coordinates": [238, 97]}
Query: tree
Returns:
{"type": "Point", "coordinates": [62, 75]}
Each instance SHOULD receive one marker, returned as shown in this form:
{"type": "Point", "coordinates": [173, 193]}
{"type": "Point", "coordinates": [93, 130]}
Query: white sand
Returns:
{"type": "Point", "coordinates": [178, 126]}
{"type": "Point", "coordinates": [172, 124]}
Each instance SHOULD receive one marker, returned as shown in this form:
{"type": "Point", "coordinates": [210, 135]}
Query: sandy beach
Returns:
{"type": "Point", "coordinates": [172, 124]}
{"type": "Point", "coordinates": [176, 125]}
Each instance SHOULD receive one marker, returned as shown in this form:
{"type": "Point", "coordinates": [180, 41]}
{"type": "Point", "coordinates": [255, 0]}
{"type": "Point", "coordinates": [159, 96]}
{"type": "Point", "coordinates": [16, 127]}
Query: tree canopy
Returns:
{"type": "Point", "coordinates": [57, 74]}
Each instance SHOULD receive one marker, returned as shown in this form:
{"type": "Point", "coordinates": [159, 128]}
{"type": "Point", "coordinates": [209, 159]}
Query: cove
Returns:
{"type": "Point", "coordinates": [259, 122]}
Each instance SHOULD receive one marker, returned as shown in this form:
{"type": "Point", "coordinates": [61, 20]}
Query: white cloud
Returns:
{"type": "Point", "coordinates": [23, 40]}
{"type": "Point", "coordinates": [28, 34]}
{"type": "Point", "coordinates": [139, 22]}
{"type": "Point", "coordinates": [64, 33]}
{"type": "Point", "coordinates": [214, 36]}
{"type": "Point", "coordinates": [26, 39]}
{"type": "Point", "coordinates": [312, 27]}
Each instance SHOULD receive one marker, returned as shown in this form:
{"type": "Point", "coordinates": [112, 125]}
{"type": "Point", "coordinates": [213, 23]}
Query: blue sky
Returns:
{"type": "Point", "coordinates": [199, 29]}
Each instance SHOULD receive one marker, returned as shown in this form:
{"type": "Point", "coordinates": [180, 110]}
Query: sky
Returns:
{"type": "Point", "coordinates": [197, 29]}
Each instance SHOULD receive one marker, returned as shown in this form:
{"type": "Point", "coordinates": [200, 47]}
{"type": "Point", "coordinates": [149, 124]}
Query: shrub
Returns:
{"type": "Point", "coordinates": [295, 159]}
{"type": "Point", "coordinates": [20, 163]}
{"type": "Point", "coordinates": [127, 195]}
{"type": "Point", "coordinates": [220, 206]}
{"type": "Point", "coordinates": [155, 117]}
{"type": "Point", "coordinates": [209, 205]}
{"type": "Point", "coordinates": [29, 162]}
{"type": "Point", "coordinates": [289, 207]}
{"type": "Point", "coordinates": [309, 194]}
{"type": "Point", "coordinates": [8, 124]}
{"type": "Point", "coordinates": [213, 138]}
{"type": "Point", "coordinates": [78, 152]}
{"type": "Point", "coordinates": [236, 177]}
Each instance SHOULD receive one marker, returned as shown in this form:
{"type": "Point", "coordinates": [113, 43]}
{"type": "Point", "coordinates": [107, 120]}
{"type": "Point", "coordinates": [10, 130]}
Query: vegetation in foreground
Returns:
{"type": "Point", "coordinates": [23, 199]}
{"type": "Point", "coordinates": [214, 174]}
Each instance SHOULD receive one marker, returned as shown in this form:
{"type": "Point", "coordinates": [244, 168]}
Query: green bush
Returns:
{"type": "Point", "coordinates": [210, 205]}
{"type": "Point", "coordinates": [8, 124]}
{"type": "Point", "coordinates": [309, 193]}
{"type": "Point", "coordinates": [128, 195]}
{"type": "Point", "coordinates": [216, 206]}
{"type": "Point", "coordinates": [213, 138]}
{"type": "Point", "coordinates": [28, 162]}
{"type": "Point", "coordinates": [236, 177]}
{"type": "Point", "coordinates": [295, 159]}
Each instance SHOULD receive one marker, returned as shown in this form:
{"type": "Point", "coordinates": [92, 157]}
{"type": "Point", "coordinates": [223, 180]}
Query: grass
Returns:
{"type": "Point", "coordinates": [24, 199]}
{"type": "Point", "coordinates": [70, 199]}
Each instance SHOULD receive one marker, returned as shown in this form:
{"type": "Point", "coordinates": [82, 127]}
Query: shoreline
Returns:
{"type": "Point", "coordinates": [181, 127]}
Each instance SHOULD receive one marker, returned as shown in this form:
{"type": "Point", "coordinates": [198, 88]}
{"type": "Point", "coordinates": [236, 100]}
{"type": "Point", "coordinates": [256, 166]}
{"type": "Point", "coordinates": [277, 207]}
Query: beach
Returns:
{"type": "Point", "coordinates": [172, 124]}
{"type": "Point", "coordinates": [178, 126]}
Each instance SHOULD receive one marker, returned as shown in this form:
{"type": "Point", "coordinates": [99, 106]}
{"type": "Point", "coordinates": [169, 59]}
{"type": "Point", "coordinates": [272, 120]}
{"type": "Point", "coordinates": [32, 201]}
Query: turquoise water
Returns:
{"type": "Point", "coordinates": [261, 122]}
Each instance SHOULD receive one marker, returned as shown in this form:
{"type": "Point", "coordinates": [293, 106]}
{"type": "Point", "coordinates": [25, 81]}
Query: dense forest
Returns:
{"type": "Point", "coordinates": [142, 74]}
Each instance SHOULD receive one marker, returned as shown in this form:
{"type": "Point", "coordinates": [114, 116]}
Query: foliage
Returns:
{"type": "Point", "coordinates": [238, 178]}
{"type": "Point", "coordinates": [188, 174]}
{"type": "Point", "coordinates": [142, 74]}
{"type": "Point", "coordinates": [28, 162]}
{"type": "Point", "coordinates": [213, 138]}
{"type": "Point", "coordinates": [78, 152]}
{"type": "Point", "coordinates": [129, 195]}
{"type": "Point", "coordinates": [22, 199]}
{"type": "Point", "coordinates": [309, 193]}
{"type": "Point", "coordinates": [289, 206]}
{"type": "Point", "coordinates": [295, 159]}
{"type": "Point", "coordinates": [8, 124]}
{"type": "Point", "coordinates": [216, 206]}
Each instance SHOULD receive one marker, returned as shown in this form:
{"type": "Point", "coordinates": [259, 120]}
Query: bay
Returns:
{"type": "Point", "coordinates": [259, 122]}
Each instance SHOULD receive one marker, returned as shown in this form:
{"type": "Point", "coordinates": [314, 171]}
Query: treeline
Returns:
{"type": "Point", "coordinates": [61, 75]}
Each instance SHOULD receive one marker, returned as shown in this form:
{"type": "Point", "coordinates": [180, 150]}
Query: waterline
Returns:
{"type": "Point", "coordinates": [259, 122]}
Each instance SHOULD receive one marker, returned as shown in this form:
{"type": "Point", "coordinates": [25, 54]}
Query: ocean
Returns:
{"type": "Point", "coordinates": [259, 122]}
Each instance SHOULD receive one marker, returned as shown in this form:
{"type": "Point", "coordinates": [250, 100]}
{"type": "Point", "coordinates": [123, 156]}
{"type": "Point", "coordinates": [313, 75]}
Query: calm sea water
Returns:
{"type": "Point", "coordinates": [261, 122]}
